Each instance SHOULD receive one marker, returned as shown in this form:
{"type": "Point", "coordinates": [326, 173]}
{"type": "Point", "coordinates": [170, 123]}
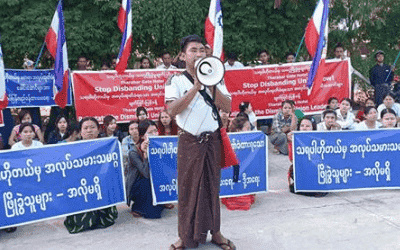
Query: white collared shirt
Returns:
{"type": "Point", "coordinates": [197, 117]}
{"type": "Point", "coordinates": [162, 66]}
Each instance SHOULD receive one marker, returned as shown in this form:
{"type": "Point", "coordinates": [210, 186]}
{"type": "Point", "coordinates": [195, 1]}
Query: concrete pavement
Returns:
{"type": "Point", "coordinates": [278, 220]}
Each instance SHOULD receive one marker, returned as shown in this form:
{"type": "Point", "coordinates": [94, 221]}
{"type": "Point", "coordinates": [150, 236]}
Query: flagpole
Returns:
{"type": "Point", "coordinates": [394, 64]}
{"type": "Point", "coordinates": [298, 50]}
{"type": "Point", "coordinates": [40, 55]}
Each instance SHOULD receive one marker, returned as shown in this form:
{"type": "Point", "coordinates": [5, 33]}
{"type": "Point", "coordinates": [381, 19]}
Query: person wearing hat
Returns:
{"type": "Point", "coordinates": [232, 62]}
{"type": "Point", "coordinates": [380, 76]}
{"type": "Point", "coordinates": [199, 150]}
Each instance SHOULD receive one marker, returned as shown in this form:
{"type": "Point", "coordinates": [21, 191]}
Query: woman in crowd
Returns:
{"type": "Point", "coordinates": [89, 128]}
{"type": "Point", "coordinates": [24, 116]}
{"type": "Point", "coordinates": [307, 123]}
{"type": "Point", "coordinates": [329, 121]}
{"type": "Point", "coordinates": [389, 118]}
{"type": "Point", "coordinates": [73, 133]}
{"type": "Point", "coordinates": [141, 114]}
{"type": "Point", "coordinates": [60, 133]}
{"type": "Point", "coordinates": [389, 102]}
{"type": "Point", "coordinates": [283, 122]}
{"type": "Point", "coordinates": [239, 124]}
{"type": "Point", "coordinates": [145, 63]}
{"type": "Point", "coordinates": [129, 142]}
{"type": "Point", "coordinates": [246, 107]}
{"type": "Point", "coordinates": [333, 103]}
{"type": "Point", "coordinates": [345, 116]}
{"type": "Point", "coordinates": [110, 128]}
{"type": "Point", "coordinates": [166, 125]}
{"type": "Point", "coordinates": [370, 122]}
{"type": "Point", "coordinates": [138, 187]}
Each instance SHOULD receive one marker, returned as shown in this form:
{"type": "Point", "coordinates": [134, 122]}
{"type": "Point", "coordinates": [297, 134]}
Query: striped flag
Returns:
{"type": "Point", "coordinates": [3, 94]}
{"type": "Point", "coordinates": [57, 46]}
{"type": "Point", "coordinates": [316, 39]}
{"type": "Point", "coordinates": [213, 29]}
{"type": "Point", "coordinates": [125, 26]}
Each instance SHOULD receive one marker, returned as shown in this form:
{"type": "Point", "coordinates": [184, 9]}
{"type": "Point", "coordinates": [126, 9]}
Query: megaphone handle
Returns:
{"type": "Point", "coordinates": [214, 92]}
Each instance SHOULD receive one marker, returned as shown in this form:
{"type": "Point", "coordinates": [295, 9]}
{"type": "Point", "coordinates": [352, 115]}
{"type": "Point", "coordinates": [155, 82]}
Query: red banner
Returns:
{"type": "Point", "coordinates": [104, 93]}
{"type": "Point", "coordinates": [99, 93]}
{"type": "Point", "coordinates": [266, 87]}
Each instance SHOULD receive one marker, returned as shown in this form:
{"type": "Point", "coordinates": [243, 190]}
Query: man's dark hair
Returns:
{"type": "Point", "coordinates": [232, 56]}
{"type": "Point", "coordinates": [164, 53]}
{"type": "Point", "coordinates": [338, 45]}
{"type": "Point", "coordinates": [263, 51]}
{"type": "Point", "coordinates": [329, 111]}
{"type": "Point", "coordinates": [290, 54]}
{"type": "Point", "coordinates": [188, 39]}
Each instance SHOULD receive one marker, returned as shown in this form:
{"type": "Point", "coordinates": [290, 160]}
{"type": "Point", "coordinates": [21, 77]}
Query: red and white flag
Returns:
{"type": "Point", "coordinates": [316, 39]}
{"type": "Point", "coordinates": [3, 94]}
{"type": "Point", "coordinates": [213, 29]}
{"type": "Point", "coordinates": [57, 46]}
{"type": "Point", "coordinates": [125, 26]}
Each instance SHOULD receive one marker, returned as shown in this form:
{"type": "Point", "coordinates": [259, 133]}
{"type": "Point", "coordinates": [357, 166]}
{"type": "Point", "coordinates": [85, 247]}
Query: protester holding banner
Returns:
{"type": "Point", "coordinates": [199, 150]}
{"type": "Point", "coordinates": [110, 128]}
{"type": "Point", "coordinates": [27, 133]}
{"type": "Point", "coordinates": [371, 120]}
{"type": "Point", "coordinates": [24, 116]}
{"type": "Point", "coordinates": [283, 122]}
{"type": "Point", "coordinates": [137, 183]}
{"type": "Point", "coordinates": [129, 142]}
{"type": "Point", "coordinates": [61, 131]}
{"type": "Point", "coordinates": [89, 128]}
{"type": "Point", "coordinates": [263, 56]}
{"type": "Point", "coordinates": [389, 118]}
{"type": "Point", "coordinates": [389, 102]}
{"type": "Point", "coordinates": [345, 116]}
{"type": "Point", "coordinates": [166, 125]}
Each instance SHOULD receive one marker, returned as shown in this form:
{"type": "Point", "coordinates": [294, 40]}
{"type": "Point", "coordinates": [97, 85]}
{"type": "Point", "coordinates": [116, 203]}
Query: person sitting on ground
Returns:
{"type": "Point", "coordinates": [389, 118]}
{"type": "Point", "coordinates": [360, 97]}
{"type": "Point", "coordinates": [105, 66]}
{"type": "Point", "coordinates": [284, 122]}
{"type": "Point", "coordinates": [371, 120]}
{"type": "Point", "coordinates": [137, 184]}
{"type": "Point", "coordinates": [24, 116]}
{"type": "Point", "coordinates": [61, 131]}
{"type": "Point", "coordinates": [72, 134]}
{"type": "Point", "coordinates": [166, 125]}
{"type": "Point", "coordinates": [89, 128]}
{"type": "Point", "coordinates": [141, 114]}
{"type": "Point", "coordinates": [110, 128]}
{"type": "Point", "coordinates": [166, 58]}
{"type": "Point", "coordinates": [389, 102]}
{"type": "Point", "coordinates": [345, 116]}
{"type": "Point", "coordinates": [244, 202]}
{"type": "Point", "coordinates": [232, 62]}
{"type": "Point", "coordinates": [333, 103]}
{"type": "Point", "coordinates": [129, 142]}
{"type": "Point", "coordinates": [246, 107]}
{"type": "Point", "coordinates": [329, 121]}
{"type": "Point", "coordinates": [306, 123]}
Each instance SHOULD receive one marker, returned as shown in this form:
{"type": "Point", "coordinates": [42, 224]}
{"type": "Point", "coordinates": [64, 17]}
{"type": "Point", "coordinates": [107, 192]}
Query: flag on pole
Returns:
{"type": "Point", "coordinates": [125, 26]}
{"type": "Point", "coordinates": [3, 94]}
{"type": "Point", "coordinates": [57, 46]}
{"type": "Point", "coordinates": [316, 39]}
{"type": "Point", "coordinates": [213, 29]}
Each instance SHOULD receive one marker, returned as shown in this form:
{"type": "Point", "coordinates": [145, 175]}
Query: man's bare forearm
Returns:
{"type": "Point", "coordinates": [221, 101]}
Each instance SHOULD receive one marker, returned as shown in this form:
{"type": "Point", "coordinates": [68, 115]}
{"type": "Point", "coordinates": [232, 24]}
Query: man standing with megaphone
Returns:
{"type": "Point", "coordinates": [199, 147]}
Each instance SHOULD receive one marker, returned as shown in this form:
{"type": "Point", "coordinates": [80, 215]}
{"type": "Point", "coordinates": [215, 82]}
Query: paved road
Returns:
{"type": "Point", "coordinates": [278, 220]}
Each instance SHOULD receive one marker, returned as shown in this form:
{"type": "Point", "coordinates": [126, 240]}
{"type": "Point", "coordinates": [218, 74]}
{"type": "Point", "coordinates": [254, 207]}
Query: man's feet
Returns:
{"type": "Point", "coordinates": [169, 206]}
{"type": "Point", "coordinates": [222, 242]}
{"type": "Point", "coordinates": [135, 214]}
{"type": "Point", "coordinates": [177, 245]}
